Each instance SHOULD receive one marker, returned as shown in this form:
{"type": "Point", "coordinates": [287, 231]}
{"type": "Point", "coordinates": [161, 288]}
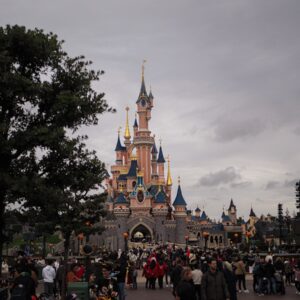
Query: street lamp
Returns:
{"type": "Point", "coordinates": [206, 236]}
{"type": "Point", "coordinates": [125, 235]}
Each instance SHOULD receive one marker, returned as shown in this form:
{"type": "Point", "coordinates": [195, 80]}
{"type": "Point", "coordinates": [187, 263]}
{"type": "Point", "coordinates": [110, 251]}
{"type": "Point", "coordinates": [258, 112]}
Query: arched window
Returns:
{"type": "Point", "coordinates": [133, 184]}
{"type": "Point", "coordinates": [220, 239]}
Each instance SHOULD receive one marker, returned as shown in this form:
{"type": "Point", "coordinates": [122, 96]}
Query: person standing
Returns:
{"type": "Point", "coordinates": [213, 285]}
{"type": "Point", "coordinates": [185, 289]}
{"type": "Point", "coordinates": [176, 274]}
{"type": "Point", "coordinates": [197, 277]}
{"type": "Point", "coordinates": [48, 275]}
{"type": "Point", "coordinates": [240, 273]}
{"type": "Point", "coordinates": [230, 280]}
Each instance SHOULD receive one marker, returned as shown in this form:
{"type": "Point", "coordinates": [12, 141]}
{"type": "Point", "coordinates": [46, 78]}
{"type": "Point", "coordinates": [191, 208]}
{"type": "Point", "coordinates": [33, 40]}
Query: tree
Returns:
{"type": "Point", "coordinates": [45, 96]}
{"type": "Point", "coordinates": [63, 190]}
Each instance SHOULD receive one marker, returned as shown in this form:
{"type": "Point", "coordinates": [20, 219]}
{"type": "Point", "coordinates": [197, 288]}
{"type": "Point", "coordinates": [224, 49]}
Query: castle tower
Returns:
{"type": "Point", "coordinates": [143, 141]}
{"type": "Point", "coordinates": [154, 175]}
{"type": "Point", "coordinates": [232, 212]}
{"type": "Point", "coordinates": [161, 166]}
{"type": "Point", "coordinates": [180, 216]}
{"type": "Point", "coordinates": [197, 212]}
{"type": "Point", "coordinates": [135, 127]}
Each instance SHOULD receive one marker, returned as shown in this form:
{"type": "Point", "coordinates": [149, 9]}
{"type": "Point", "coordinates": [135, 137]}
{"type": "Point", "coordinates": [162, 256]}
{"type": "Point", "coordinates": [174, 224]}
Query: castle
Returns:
{"type": "Point", "coordinates": [140, 202]}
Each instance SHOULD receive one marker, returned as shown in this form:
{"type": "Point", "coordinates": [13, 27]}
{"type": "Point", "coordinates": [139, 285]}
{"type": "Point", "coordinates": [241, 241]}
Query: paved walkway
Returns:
{"type": "Point", "coordinates": [166, 294]}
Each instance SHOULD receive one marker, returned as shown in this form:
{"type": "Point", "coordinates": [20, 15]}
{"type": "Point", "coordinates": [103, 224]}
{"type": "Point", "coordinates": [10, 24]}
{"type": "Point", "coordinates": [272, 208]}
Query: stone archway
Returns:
{"type": "Point", "coordinates": [141, 233]}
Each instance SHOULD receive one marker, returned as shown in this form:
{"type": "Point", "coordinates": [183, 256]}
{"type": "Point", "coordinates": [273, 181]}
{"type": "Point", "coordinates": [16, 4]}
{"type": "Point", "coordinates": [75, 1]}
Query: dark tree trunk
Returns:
{"type": "Point", "coordinates": [66, 257]}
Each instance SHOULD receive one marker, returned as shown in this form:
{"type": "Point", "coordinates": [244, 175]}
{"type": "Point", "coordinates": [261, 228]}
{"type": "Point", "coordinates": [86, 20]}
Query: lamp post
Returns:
{"type": "Point", "coordinates": [206, 236]}
{"type": "Point", "coordinates": [125, 235]}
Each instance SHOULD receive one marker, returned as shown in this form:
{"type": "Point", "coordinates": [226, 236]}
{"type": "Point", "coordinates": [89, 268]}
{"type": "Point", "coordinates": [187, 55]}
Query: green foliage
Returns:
{"type": "Point", "coordinates": [45, 97]}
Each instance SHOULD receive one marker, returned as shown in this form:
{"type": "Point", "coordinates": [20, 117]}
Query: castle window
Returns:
{"type": "Point", "coordinates": [133, 184]}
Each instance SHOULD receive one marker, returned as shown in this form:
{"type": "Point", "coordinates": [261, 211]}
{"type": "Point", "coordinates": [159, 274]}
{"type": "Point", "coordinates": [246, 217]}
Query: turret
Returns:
{"type": "Point", "coordinates": [154, 175]}
{"type": "Point", "coordinates": [144, 105]}
{"type": "Point", "coordinates": [197, 212]}
{"type": "Point", "coordinates": [119, 151]}
{"type": "Point", "coordinates": [179, 202]}
{"type": "Point", "coordinates": [232, 212]}
{"type": "Point", "coordinates": [135, 126]}
{"type": "Point", "coordinates": [180, 216]}
{"type": "Point", "coordinates": [161, 166]}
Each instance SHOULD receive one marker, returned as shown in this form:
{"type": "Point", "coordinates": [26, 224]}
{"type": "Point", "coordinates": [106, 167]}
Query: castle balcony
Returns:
{"type": "Point", "coordinates": [142, 140]}
{"type": "Point", "coordinates": [121, 169]}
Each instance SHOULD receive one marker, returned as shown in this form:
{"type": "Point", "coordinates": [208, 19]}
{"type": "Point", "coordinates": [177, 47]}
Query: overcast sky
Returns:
{"type": "Point", "coordinates": [225, 77]}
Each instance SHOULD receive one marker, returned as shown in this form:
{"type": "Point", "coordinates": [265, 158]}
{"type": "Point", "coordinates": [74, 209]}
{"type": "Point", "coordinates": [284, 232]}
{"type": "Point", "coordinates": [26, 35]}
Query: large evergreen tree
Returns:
{"type": "Point", "coordinates": [45, 96]}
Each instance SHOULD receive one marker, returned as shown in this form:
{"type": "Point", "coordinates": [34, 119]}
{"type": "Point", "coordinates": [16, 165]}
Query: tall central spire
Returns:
{"type": "Point", "coordinates": [143, 92]}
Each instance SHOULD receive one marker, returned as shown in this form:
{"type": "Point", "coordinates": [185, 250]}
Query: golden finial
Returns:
{"type": "Point", "coordinates": [127, 131]}
{"type": "Point", "coordinates": [143, 68]}
{"type": "Point", "coordinates": [121, 189]}
{"type": "Point", "coordinates": [169, 179]}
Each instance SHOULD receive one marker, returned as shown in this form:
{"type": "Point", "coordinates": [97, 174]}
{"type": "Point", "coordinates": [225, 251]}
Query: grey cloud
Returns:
{"type": "Point", "coordinates": [291, 183]}
{"type": "Point", "coordinates": [227, 130]}
{"type": "Point", "coordinates": [272, 185]}
{"type": "Point", "coordinates": [225, 176]}
{"type": "Point", "coordinates": [242, 184]}
{"type": "Point", "coordinates": [297, 131]}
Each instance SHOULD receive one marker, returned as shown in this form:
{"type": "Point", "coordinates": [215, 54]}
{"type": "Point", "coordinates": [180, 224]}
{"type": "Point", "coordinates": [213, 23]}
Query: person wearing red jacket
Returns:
{"type": "Point", "coordinates": [153, 272]}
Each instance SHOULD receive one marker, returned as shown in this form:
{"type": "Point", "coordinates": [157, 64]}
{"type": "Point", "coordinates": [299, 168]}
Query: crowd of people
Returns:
{"type": "Point", "coordinates": [191, 274]}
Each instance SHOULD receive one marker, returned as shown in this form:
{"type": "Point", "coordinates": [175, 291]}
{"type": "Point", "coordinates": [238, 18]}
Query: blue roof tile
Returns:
{"type": "Point", "coordinates": [132, 169]}
{"type": "Point", "coordinates": [179, 200]}
{"type": "Point", "coordinates": [121, 199]}
{"type": "Point", "coordinates": [161, 158]}
{"type": "Point", "coordinates": [119, 147]}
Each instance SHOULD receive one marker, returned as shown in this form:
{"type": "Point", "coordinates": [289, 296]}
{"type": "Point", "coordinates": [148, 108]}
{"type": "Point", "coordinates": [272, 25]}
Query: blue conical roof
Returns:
{"type": "Point", "coordinates": [160, 197]}
{"type": "Point", "coordinates": [135, 123]}
{"type": "Point", "coordinates": [179, 200]}
{"type": "Point", "coordinates": [197, 209]}
{"type": "Point", "coordinates": [121, 199]}
{"type": "Point", "coordinates": [143, 92]}
{"type": "Point", "coordinates": [203, 216]}
{"type": "Point", "coordinates": [161, 158]}
{"type": "Point", "coordinates": [151, 95]}
{"type": "Point", "coordinates": [154, 149]}
{"type": "Point", "coordinates": [119, 147]}
{"type": "Point", "coordinates": [132, 169]}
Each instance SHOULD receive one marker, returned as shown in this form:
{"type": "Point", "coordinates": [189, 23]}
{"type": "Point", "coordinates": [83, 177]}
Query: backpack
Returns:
{"type": "Point", "coordinates": [19, 292]}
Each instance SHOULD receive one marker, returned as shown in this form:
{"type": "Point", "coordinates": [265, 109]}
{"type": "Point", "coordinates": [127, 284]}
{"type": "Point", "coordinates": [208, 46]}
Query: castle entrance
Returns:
{"type": "Point", "coordinates": [141, 234]}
